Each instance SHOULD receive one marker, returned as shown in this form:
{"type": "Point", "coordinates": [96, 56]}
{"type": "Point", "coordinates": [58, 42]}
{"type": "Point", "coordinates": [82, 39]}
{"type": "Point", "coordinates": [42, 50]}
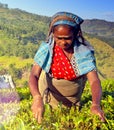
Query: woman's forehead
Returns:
{"type": "Point", "coordinates": [63, 30]}
{"type": "Point", "coordinates": [63, 27]}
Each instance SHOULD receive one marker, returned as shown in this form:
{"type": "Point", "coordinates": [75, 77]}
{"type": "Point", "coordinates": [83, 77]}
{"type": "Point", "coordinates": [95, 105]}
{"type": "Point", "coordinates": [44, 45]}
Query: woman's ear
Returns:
{"type": "Point", "coordinates": [52, 34]}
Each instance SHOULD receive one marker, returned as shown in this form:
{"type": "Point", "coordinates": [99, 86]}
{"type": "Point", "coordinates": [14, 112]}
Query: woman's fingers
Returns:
{"type": "Point", "coordinates": [38, 108]}
{"type": "Point", "coordinates": [35, 115]}
{"type": "Point", "coordinates": [97, 110]}
{"type": "Point", "coordinates": [101, 116]}
{"type": "Point", "coordinates": [39, 117]}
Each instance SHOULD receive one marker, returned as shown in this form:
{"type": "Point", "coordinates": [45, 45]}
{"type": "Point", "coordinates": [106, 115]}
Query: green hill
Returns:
{"type": "Point", "coordinates": [101, 29]}
{"type": "Point", "coordinates": [22, 30]}
{"type": "Point", "coordinates": [22, 26]}
{"type": "Point", "coordinates": [104, 57]}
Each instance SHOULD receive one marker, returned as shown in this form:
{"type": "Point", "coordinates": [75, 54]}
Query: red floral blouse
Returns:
{"type": "Point", "coordinates": [61, 67]}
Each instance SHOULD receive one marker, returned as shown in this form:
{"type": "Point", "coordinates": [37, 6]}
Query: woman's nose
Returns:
{"type": "Point", "coordinates": [63, 40]}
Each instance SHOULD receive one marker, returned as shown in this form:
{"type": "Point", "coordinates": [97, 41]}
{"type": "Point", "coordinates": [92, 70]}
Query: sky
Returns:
{"type": "Point", "coordinates": [87, 9]}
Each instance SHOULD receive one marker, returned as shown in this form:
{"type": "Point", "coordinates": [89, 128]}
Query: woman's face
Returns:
{"type": "Point", "coordinates": [63, 36]}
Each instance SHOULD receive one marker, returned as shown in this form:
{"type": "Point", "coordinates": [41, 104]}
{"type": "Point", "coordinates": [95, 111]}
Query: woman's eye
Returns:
{"type": "Point", "coordinates": [65, 38]}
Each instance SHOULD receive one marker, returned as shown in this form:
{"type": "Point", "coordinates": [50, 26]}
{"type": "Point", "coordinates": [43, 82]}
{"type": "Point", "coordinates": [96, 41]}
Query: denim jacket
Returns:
{"type": "Point", "coordinates": [83, 57]}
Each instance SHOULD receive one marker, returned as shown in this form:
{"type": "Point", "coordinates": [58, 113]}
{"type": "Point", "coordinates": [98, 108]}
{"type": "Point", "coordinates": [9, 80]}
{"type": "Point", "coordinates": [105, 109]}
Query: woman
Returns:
{"type": "Point", "coordinates": [68, 60]}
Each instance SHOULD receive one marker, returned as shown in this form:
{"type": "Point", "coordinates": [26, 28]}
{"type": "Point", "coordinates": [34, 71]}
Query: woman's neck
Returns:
{"type": "Point", "coordinates": [69, 52]}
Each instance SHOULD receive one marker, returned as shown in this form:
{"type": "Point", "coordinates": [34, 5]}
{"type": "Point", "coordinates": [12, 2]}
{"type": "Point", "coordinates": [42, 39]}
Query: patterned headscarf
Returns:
{"type": "Point", "coordinates": [65, 18]}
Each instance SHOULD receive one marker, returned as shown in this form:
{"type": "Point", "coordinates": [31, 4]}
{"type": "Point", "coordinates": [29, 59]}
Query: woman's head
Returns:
{"type": "Point", "coordinates": [67, 19]}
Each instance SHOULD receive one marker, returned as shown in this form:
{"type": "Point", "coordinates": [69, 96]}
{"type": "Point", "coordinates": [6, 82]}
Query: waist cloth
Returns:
{"type": "Point", "coordinates": [66, 92]}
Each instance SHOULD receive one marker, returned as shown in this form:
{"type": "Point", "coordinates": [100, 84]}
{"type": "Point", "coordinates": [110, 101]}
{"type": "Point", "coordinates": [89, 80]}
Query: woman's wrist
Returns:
{"type": "Point", "coordinates": [37, 97]}
{"type": "Point", "coordinates": [95, 105]}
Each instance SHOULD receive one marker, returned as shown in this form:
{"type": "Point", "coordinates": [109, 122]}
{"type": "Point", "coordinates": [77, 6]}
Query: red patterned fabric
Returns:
{"type": "Point", "coordinates": [61, 67]}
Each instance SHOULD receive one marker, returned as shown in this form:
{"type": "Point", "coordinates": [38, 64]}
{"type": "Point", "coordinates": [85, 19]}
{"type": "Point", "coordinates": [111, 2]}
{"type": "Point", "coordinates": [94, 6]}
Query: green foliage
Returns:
{"type": "Point", "coordinates": [2, 127]}
{"type": "Point", "coordinates": [63, 118]}
{"type": "Point", "coordinates": [17, 67]}
{"type": "Point", "coordinates": [19, 50]}
{"type": "Point", "coordinates": [108, 40]}
{"type": "Point", "coordinates": [15, 73]}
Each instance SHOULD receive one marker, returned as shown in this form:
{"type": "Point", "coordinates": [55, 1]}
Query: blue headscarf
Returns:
{"type": "Point", "coordinates": [71, 19]}
{"type": "Point", "coordinates": [65, 18]}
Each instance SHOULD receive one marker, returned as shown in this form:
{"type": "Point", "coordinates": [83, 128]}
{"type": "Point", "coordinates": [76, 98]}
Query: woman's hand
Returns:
{"type": "Point", "coordinates": [96, 109]}
{"type": "Point", "coordinates": [38, 108]}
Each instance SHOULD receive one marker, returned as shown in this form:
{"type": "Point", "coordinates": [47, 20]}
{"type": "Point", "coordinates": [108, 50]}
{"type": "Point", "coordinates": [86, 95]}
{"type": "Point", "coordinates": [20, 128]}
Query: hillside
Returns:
{"type": "Point", "coordinates": [101, 29]}
{"type": "Point", "coordinates": [21, 33]}
{"type": "Point", "coordinates": [22, 30]}
{"type": "Point", "coordinates": [104, 57]}
{"type": "Point", "coordinates": [22, 26]}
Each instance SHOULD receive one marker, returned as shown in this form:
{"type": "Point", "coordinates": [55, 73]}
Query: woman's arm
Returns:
{"type": "Point", "coordinates": [37, 106]}
{"type": "Point", "coordinates": [96, 90]}
{"type": "Point", "coordinates": [33, 80]}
